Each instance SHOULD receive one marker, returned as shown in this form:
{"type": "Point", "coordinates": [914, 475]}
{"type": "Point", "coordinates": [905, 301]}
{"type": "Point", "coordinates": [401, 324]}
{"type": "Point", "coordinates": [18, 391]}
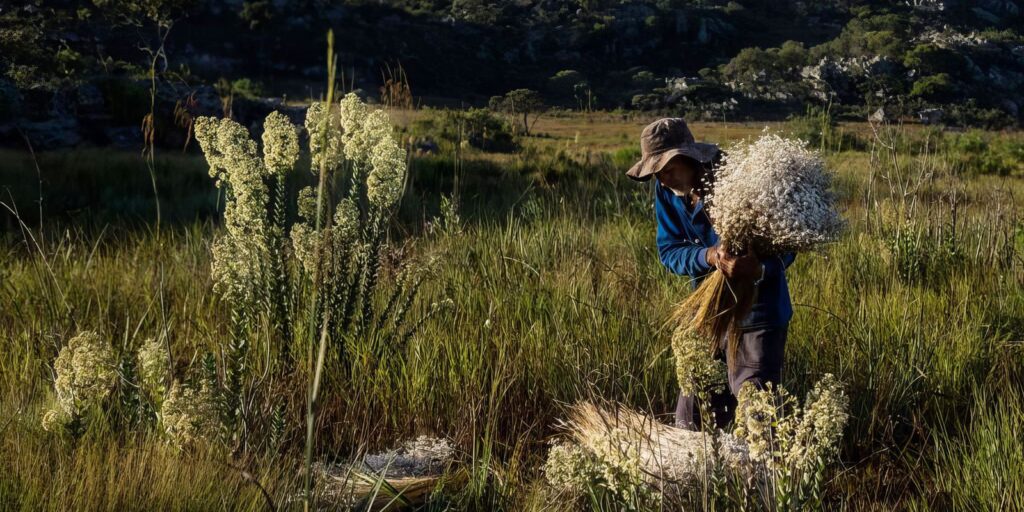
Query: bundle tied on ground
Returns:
{"type": "Point", "coordinates": [777, 457]}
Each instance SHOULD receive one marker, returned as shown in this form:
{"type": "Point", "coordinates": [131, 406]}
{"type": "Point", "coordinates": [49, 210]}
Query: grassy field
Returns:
{"type": "Point", "coordinates": [557, 295]}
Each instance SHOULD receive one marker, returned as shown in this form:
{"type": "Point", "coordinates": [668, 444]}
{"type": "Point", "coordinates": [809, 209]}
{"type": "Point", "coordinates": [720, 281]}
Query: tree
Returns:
{"type": "Point", "coordinates": [928, 59]}
{"type": "Point", "coordinates": [934, 88]}
{"type": "Point", "coordinates": [256, 13]}
{"type": "Point", "coordinates": [792, 54]}
{"type": "Point", "coordinates": [520, 102]}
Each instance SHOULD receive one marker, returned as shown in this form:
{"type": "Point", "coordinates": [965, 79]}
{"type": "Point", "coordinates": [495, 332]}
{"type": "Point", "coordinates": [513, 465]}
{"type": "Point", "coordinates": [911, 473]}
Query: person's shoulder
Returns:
{"type": "Point", "coordinates": [661, 191]}
{"type": "Point", "coordinates": [662, 196]}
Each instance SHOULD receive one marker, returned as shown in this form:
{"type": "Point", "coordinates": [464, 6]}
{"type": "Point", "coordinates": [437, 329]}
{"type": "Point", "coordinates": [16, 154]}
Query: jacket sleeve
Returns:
{"type": "Point", "coordinates": [678, 253]}
{"type": "Point", "coordinates": [776, 265]}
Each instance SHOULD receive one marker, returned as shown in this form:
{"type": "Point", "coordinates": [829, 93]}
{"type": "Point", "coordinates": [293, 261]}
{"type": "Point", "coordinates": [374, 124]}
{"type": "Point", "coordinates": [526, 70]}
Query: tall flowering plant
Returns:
{"type": "Point", "coordinates": [322, 266]}
{"type": "Point", "coordinates": [247, 259]}
{"type": "Point", "coordinates": [790, 445]}
{"type": "Point", "coordinates": [342, 258]}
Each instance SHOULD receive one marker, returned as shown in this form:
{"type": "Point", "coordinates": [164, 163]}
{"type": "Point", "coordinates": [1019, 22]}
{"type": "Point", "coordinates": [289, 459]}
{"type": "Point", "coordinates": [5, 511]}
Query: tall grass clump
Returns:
{"type": "Point", "coordinates": [978, 465]}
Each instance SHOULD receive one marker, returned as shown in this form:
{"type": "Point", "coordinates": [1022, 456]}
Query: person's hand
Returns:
{"type": "Point", "coordinates": [712, 255]}
{"type": "Point", "coordinates": [745, 267]}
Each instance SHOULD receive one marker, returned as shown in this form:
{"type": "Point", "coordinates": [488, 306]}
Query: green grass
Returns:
{"type": "Point", "coordinates": [558, 295]}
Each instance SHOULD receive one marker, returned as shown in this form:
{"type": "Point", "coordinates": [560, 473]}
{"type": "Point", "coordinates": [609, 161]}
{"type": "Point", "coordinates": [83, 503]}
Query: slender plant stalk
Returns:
{"type": "Point", "coordinates": [149, 121]}
{"type": "Point", "coordinates": [315, 383]}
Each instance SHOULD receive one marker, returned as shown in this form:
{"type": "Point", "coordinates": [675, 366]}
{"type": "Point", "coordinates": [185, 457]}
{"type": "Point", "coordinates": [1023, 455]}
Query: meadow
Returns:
{"type": "Point", "coordinates": [555, 294]}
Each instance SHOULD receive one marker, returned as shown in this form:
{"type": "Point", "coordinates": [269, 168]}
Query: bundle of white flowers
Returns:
{"type": "Point", "coordinates": [770, 197]}
{"type": "Point", "coordinates": [773, 196]}
{"type": "Point", "coordinates": [86, 373]}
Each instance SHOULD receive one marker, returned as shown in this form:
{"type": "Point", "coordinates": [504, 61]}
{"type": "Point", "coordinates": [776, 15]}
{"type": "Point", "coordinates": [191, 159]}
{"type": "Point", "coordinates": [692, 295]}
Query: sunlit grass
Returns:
{"type": "Point", "coordinates": [558, 295]}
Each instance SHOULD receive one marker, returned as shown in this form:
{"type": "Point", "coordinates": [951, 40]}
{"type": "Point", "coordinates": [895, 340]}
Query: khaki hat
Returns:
{"type": "Point", "coordinates": [665, 139]}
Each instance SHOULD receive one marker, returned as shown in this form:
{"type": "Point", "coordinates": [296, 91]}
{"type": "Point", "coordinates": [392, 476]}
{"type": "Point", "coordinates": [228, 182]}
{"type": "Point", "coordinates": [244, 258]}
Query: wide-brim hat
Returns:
{"type": "Point", "coordinates": [664, 140]}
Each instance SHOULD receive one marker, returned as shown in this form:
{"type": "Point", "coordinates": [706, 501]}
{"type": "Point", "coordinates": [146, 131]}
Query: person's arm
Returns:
{"type": "Point", "coordinates": [678, 253]}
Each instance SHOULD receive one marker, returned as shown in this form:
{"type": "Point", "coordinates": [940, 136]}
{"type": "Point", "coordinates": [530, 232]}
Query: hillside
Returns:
{"type": "Point", "coordinates": [950, 62]}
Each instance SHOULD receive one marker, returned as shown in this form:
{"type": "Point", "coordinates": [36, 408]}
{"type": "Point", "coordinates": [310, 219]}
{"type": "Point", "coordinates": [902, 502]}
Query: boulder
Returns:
{"type": "Point", "coordinates": [59, 132]}
{"type": "Point", "coordinates": [930, 116]}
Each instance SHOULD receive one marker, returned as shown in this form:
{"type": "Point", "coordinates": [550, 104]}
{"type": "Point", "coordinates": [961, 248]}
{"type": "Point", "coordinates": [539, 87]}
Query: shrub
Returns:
{"type": "Point", "coordinates": [975, 152]}
{"type": "Point", "coordinates": [127, 100]}
{"type": "Point", "coordinates": [478, 127]}
{"type": "Point", "coordinates": [938, 87]}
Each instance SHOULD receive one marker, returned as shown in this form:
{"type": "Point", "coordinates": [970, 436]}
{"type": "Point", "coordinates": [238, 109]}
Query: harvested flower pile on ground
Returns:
{"type": "Point", "coordinates": [636, 457]}
{"type": "Point", "coordinates": [406, 475]}
{"type": "Point", "coordinates": [777, 456]}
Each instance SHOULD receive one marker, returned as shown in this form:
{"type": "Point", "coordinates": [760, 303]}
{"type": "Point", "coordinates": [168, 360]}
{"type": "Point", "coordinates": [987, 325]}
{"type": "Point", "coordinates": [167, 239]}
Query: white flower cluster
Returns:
{"type": "Point", "coordinates": [696, 368]}
{"type": "Point", "coordinates": [86, 374]}
{"type": "Point", "coordinates": [364, 137]}
{"type": "Point", "coordinates": [55, 420]}
{"type": "Point", "coordinates": [773, 195]}
{"type": "Point", "coordinates": [757, 412]}
{"type": "Point", "coordinates": [612, 464]}
{"type": "Point", "coordinates": [816, 437]}
{"type": "Point", "coordinates": [325, 147]}
{"type": "Point", "coordinates": [571, 469]}
{"type": "Point", "coordinates": [154, 362]}
{"type": "Point", "coordinates": [280, 143]}
{"type": "Point", "coordinates": [189, 415]}
{"type": "Point", "coordinates": [386, 182]}
{"type": "Point", "coordinates": [370, 145]}
{"type": "Point", "coordinates": [786, 438]}
{"type": "Point", "coordinates": [353, 114]}
{"type": "Point", "coordinates": [242, 255]}
{"type": "Point", "coordinates": [305, 241]}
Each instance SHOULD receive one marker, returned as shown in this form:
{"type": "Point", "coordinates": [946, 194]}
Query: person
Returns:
{"type": "Point", "coordinates": [688, 245]}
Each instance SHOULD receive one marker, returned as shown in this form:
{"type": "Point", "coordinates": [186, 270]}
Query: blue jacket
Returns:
{"type": "Point", "coordinates": [684, 235]}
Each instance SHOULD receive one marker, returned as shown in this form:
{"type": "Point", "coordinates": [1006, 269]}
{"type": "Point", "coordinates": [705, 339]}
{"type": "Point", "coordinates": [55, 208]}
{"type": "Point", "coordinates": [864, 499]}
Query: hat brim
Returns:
{"type": "Point", "coordinates": [650, 165]}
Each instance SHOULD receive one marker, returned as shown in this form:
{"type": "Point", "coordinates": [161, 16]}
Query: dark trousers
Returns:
{"type": "Point", "coordinates": [759, 360]}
